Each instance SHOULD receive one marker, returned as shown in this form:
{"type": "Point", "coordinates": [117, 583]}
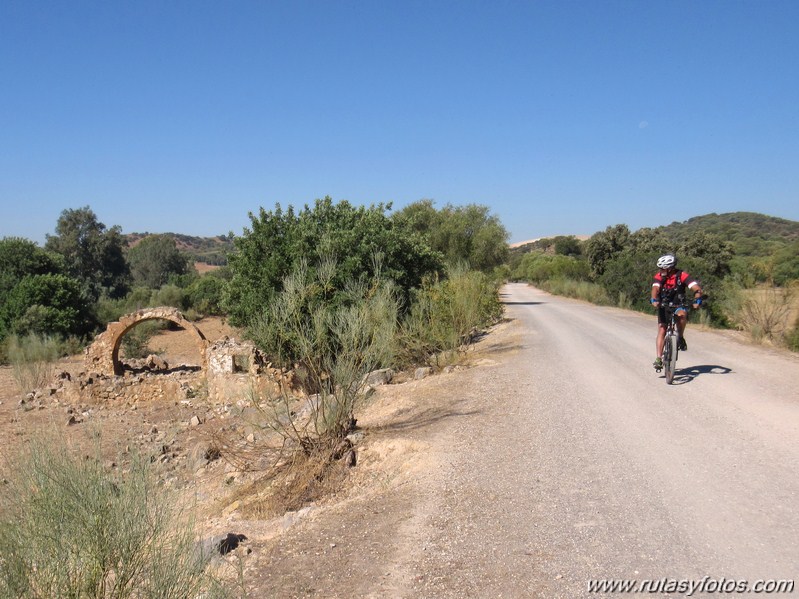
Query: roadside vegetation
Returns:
{"type": "Point", "coordinates": [70, 527]}
{"type": "Point", "coordinates": [748, 265]}
{"type": "Point", "coordinates": [330, 292]}
{"type": "Point", "coordinates": [343, 292]}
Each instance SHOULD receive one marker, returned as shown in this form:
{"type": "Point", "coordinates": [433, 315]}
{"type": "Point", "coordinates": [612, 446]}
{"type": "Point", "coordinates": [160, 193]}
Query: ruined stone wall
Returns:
{"type": "Point", "coordinates": [102, 356]}
{"type": "Point", "coordinates": [142, 387]}
{"type": "Point", "coordinates": [236, 370]}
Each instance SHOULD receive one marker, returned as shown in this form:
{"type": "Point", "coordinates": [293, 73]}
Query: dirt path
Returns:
{"type": "Point", "coordinates": [559, 458]}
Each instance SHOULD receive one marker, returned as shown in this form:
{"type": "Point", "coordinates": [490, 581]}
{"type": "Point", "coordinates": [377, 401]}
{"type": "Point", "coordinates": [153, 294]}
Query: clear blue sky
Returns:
{"type": "Point", "coordinates": [563, 116]}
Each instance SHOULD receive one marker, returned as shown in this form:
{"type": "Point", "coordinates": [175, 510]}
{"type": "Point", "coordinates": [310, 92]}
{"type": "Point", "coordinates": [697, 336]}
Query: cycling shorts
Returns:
{"type": "Point", "coordinates": [663, 317]}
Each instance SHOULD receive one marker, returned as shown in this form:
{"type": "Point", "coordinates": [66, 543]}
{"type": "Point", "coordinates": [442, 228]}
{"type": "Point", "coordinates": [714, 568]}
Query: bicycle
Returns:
{"type": "Point", "coordinates": [671, 346]}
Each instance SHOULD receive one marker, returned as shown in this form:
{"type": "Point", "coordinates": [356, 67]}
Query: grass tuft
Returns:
{"type": "Point", "coordinates": [71, 528]}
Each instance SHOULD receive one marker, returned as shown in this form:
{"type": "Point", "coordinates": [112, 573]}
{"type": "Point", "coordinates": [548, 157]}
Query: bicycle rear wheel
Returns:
{"type": "Point", "coordinates": [670, 357]}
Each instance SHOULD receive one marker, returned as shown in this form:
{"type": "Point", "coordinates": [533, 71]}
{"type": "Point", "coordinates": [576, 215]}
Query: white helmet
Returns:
{"type": "Point", "coordinates": [667, 261]}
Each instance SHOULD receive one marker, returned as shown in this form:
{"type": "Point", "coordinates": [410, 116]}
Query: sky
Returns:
{"type": "Point", "coordinates": [563, 117]}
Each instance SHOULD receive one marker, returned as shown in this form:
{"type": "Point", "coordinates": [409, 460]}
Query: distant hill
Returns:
{"type": "Point", "coordinates": [208, 250]}
{"type": "Point", "coordinates": [751, 234]}
{"type": "Point", "coordinates": [542, 243]}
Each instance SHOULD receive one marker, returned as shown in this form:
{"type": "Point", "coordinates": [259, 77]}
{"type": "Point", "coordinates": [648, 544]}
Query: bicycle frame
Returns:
{"type": "Point", "coordinates": [671, 347]}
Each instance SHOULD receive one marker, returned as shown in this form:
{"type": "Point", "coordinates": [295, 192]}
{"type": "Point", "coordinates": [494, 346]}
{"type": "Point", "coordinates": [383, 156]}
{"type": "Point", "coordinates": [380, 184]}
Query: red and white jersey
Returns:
{"type": "Point", "coordinates": [673, 283]}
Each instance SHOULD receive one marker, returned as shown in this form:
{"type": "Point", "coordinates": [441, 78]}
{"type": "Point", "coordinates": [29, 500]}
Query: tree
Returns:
{"type": "Point", "coordinates": [49, 304]}
{"type": "Point", "coordinates": [92, 254]}
{"type": "Point", "coordinates": [604, 246]}
{"type": "Point", "coordinates": [155, 259]}
{"type": "Point", "coordinates": [19, 258]}
{"type": "Point", "coordinates": [628, 277]}
{"type": "Point", "coordinates": [205, 295]}
{"type": "Point", "coordinates": [461, 233]}
{"type": "Point", "coordinates": [567, 245]}
{"type": "Point", "coordinates": [363, 242]}
{"type": "Point", "coordinates": [708, 255]}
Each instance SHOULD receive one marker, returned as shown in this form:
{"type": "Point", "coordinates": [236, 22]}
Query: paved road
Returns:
{"type": "Point", "coordinates": [565, 458]}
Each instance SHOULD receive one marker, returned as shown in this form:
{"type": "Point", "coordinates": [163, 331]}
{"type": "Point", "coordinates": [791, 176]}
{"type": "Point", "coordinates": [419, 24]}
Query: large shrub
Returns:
{"type": "Point", "coordinates": [205, 295]}
{"type": "Point", "coordinates": [155, 259]}
{"type": "Point", "coordinates": [627, 279]}
{"type": "Point", "coordinates": [334, 345]}
{"type": "Point", "coordinates": [353, 236]}
{"type": "Point", "coordinates": [537, 267]}
{"type": "Point", "coordinates": [445, 315]}
{"type": "Point", "coordinates": [469, 234]}
{"type": "Point", "coordinates": [20, 258]}
{"type": "Point", "coordinates": [47, 305]}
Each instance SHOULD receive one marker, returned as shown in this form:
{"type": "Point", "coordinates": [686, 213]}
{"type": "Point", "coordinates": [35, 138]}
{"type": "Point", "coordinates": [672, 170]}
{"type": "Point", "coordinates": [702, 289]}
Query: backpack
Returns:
{"type": "Point", "coordinates": [674, 294]}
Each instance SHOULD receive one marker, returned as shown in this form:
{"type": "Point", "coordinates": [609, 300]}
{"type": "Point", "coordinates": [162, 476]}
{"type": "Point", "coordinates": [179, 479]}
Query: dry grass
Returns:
{"type": "Point", "coordinates": [768, 313]}
{"type": "Point", "coordinates": [202, 267]}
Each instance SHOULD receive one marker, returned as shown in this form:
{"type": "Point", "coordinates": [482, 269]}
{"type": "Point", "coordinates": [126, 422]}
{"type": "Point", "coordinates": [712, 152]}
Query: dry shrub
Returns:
{"type": "Point", "coordinates": [765, 313]}
{"type": "Point", "coordinates": [69, 527]}
{"type": "Point", "coordinates": [303, 478]}
{"type": "Point", "coordinates": [32, 358]}
{"type": "Point", "coordinates": [333, 345]}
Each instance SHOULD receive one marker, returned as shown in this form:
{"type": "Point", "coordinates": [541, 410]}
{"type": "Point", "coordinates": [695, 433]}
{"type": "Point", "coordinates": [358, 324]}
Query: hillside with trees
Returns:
{"type": "Point", "coordinates": [209, 250]}
{"type": "Point", "coordinates": [765, 248]}
{"type": "Point", "coordinates": [751, 234]}
{"type": "Point", "coordinates": [748, 264]}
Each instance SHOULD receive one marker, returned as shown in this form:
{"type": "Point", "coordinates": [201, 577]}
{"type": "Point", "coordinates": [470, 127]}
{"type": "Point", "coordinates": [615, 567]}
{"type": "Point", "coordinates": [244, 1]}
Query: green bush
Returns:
{"type": "Point", "coordinates": [353, 236]}
{"type": "Point", "coordinates": [47, 305]}
{"type": "Point", "coordinates": [170, 295]}
{"type": "Point", "coordinates": [71, 528]}
{"type": "Point", "coordinates": [537, 267]}
{"type": "Point", "coordinates": [20, 258]}
{"type": "Point", "coordinates": [110, 310]}
{"type": "Point", "coordinates": [135, 343]}
{"type": "Point", "coordinates": [583, 290]}
{"type": "Point", "coordinates": [629, 277]}
{"type": "Point", "coordinates": [205, 295]}
{"type": "Point", "coordinates": [445, 315]}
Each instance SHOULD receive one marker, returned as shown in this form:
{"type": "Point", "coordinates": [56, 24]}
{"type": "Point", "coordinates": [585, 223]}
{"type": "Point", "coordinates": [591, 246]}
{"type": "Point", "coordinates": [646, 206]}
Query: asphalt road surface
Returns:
{"type": "Point", "coordinates": [573, 461]}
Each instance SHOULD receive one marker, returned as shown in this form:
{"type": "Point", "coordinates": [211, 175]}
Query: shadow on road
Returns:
{"type": "Point", "coordinates": [424, 419]}
{"type": "Point", "coordinates": [686, 375]}
{"type": "Point", "coordinates": [522, 303]}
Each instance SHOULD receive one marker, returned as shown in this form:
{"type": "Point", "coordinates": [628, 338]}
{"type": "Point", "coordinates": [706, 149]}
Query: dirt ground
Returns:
{"type": "Point", "coordinates": [386, 454]}
{"type": "Point", "coordinates": [361, 539]}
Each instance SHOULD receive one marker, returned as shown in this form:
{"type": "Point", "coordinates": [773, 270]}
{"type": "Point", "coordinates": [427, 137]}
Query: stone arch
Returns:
{"type": "Point", "coordinates": [102, 356]}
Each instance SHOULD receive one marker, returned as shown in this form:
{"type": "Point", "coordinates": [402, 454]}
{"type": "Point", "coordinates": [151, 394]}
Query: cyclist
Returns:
{"type": "Point", "coordinates": [669, 288]}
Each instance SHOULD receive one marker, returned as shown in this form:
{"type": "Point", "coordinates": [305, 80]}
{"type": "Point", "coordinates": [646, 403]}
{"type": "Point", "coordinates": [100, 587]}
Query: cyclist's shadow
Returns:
{"type": "Point", "coordinates": [686, 375]}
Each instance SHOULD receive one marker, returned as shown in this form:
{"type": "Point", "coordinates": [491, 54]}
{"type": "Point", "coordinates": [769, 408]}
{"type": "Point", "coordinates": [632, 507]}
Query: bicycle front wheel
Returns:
{"type": "Point", "coordinates": [670, 357]}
